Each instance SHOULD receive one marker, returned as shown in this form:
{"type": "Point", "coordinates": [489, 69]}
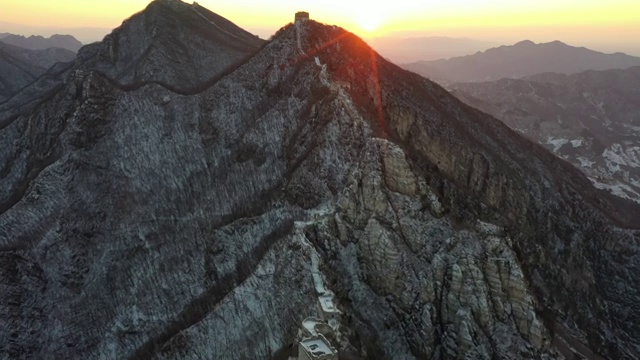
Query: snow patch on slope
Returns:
{"type": "Point", "coordinates": [585, 163]}
{"type": "Point", "coordinates": [557, 143]}
{"type": "Point", "coordinates": [618, 189]}
{"type": "Point", "coordinates": [617, 156]}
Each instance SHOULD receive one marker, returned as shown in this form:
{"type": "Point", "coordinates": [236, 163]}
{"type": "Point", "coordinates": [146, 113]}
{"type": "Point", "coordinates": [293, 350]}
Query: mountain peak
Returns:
{"type": "Point", "coordinates": [524, 58]}
{"type": "Point", "coordinates": [165, 36]}
{"type": "Point", "coordinates": [524, 43]}
{"type": "Point", "coordinates": [171, 3]}
{"type": "Point", "coordinates": [37, 42]}
{"type": "Point", "coordinates": [193, 170]}
{"type": "Point", "coordinates": [557, 43]}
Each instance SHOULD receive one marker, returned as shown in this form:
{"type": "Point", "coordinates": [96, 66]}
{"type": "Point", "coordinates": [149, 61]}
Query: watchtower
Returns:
{"type": "Point", "coordinates": [302, 16]}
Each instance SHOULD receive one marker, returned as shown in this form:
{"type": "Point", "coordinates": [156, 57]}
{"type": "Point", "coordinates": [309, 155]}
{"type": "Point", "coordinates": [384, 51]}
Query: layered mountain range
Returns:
{"type": "Point", "coordinates": [590, 119]}
{"type": "Point", "coordinates": [181, 187]}
{"type": "Point", "coordinates": [402, 50]}
{"type": "Point", "coordinates": [525, 58]}
{"type": "Point", "coordinates": [37, 42]}
{"type": "Point", "coordinates": [19, 66]}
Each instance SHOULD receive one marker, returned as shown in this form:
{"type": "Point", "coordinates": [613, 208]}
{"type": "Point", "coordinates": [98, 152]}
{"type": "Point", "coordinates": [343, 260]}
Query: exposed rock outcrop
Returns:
{"type": "Point", "coordinates": [152, 222]}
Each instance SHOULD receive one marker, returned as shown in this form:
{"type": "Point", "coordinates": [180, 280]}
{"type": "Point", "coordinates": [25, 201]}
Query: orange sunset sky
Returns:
{"type": "Point", "coordinates": [614, 24]}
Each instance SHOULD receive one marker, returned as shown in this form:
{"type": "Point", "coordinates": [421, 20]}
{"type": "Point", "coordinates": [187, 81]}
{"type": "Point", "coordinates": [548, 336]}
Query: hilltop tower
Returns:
{"type": "Point", "coordinates": [301, 16]}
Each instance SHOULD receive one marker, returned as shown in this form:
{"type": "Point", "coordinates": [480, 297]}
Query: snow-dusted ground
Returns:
{"type": "Point", "coordinates": [310, 324]}
{"type": "Point", "coordinates": [581, 118]}
{"type": "Point", "coordinates": [615, 170]}
{"type": "Point", "coordinates": [617, 155]}
{"type": "Point", "coordinates": [557, 143]}
{"type": "Point", "coordinates": [233, 278]}
{"type": "Point", "coordinates": [318, 281]}
{"type": "Point", "coordinates": [585, 163]}
{"type": "Point", "coordinates": [619, 189]}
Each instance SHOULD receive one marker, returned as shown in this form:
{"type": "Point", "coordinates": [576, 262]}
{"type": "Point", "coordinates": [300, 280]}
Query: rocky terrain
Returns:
{"type": "Point", "coordinates": [151, 214]}
{"type": "Point", "coordinates": [19, 66]}
{"type": "Point", "coordinates": [525, 58]}
{"type": "Point", "coordinates": [37, 42]}
{"type": "Point", "coordinates": [591, 119]}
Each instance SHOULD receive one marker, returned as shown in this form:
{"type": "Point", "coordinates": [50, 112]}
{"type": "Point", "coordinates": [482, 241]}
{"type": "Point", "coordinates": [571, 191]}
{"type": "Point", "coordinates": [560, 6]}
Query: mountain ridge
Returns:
{"type": "Point", "coordinates": [402, 50]}
{"type": "Point", "coordinates": [19, 67]}
{"type": "Point", "coordinates": [522, 59]}
{"type": "Point", "coordinates": [37, 42]}
{"type": "Point", "coordinates": [150, 42]}
{"type": "Point", "coordinates": [596, 109]}
{"type": "Point", "coordinates": [201, 213]}
{"type": "Point", "coordinates": [163, 42]}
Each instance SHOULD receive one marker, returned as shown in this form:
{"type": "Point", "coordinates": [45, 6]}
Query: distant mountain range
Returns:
{"type": "Point", "coordinates": [37, 42]}
{"type": "Point", "coordinates": [86, 35]}
{"type": "Point", "coordinates": [405, 50]}
{"type": "Point", "coordinates": [591, 119]}
{"type": "Point", "coordinates": [19, 66]}
{"type": "Point", "coordinates": [522, 59]}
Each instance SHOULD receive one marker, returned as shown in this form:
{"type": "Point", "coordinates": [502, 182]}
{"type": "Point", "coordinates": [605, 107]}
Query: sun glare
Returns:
{"type": "Point", "coordinates": [369, 21]}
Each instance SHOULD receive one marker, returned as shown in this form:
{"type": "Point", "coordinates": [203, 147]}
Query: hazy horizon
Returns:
{"type": "Point", "coordinates": [606, 27]}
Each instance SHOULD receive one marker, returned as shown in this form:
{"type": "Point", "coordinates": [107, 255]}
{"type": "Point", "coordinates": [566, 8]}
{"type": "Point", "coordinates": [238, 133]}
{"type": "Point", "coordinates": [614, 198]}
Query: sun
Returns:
{"type": "Point", "coordinates": [369, 21]}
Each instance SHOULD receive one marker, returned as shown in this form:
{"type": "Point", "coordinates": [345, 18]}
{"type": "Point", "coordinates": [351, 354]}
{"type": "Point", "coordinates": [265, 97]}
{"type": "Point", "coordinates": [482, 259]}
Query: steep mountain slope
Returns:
{"type": "Point", "coordinates": [592, 119]}
{"type": "Point", "coordinates": [150, 47]}
{"type": "Point", "coordinates": [522, 59]}
{"type": "Point", "coordinates": [19, 67]}
{"type": "Point", "coordinates": [36, 42]}
{"type": "Point", "coordinates": [141, 222]}
{"type": "Point", "coordinates": [184, 48]}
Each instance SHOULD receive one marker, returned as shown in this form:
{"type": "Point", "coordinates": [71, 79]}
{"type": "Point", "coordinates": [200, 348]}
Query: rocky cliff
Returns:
{"type": "Point", "coordinates": [151, 215]}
